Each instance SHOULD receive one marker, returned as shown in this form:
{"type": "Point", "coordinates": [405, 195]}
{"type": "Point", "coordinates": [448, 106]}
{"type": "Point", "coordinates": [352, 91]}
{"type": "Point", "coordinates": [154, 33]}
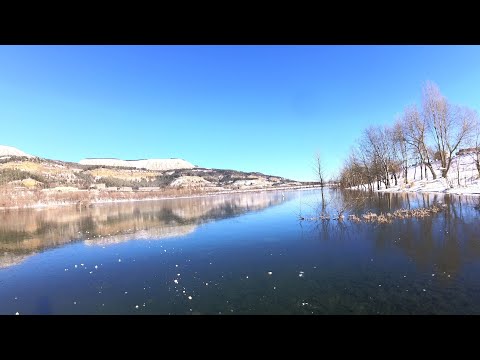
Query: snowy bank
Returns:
{"type": "Point", "coordinates": [462, 179]}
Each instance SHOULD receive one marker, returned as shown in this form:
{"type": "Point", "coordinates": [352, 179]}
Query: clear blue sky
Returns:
{"type": "Point", "coordinates": [250, 108]}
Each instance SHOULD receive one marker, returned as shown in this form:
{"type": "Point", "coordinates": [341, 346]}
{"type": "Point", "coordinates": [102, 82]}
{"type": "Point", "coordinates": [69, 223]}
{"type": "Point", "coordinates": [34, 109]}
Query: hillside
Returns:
{"type": "Point", "coordinates": [27, 181]}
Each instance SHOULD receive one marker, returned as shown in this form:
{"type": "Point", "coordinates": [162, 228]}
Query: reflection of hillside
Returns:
{"type": "Point", "coordinates": [27, 231]}
{"type": "Point", "coordinates": [225, 205]}
{"type": "Point", "coordinates": [150, 234]}
{"type": "Point", "coordinates": [7, 259]}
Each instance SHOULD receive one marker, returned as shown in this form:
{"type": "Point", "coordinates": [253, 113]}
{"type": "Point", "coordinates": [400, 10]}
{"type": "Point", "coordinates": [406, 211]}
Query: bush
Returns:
{"type": "Point", "coordinates": [117, 182]}
{"type": "Point", "coordinates": [8, 175]}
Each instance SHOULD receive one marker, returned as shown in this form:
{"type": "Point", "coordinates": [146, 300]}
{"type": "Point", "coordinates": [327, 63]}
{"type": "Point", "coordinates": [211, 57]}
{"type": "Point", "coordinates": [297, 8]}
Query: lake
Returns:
{"type": "Point", "coordinates": [243, 254]}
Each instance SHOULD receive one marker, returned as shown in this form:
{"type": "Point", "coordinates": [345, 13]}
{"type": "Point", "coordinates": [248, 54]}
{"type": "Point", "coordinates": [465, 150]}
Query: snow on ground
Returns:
{"type": "Point", "coordinates": [462, 179]}
{"type": "Point", "coordinates": [190, 181]}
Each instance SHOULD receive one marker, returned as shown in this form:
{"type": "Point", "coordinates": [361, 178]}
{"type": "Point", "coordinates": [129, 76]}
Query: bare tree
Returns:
{"type": "Point", "coordinates": [401, 146]}
{"type": "Point", "coordinates": [319, 171]}
{"type": "Point", "coordinates": [449, 125]}
{"type": "Point", "coordinates": [475, 141]}
{"type": "Point", "coordinates": [379, 141]}
{"type": "Point", "coordinates": [415, 131]}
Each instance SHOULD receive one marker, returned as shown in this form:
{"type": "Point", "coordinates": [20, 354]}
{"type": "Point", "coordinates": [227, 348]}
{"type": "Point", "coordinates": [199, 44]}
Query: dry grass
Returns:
{"type": "Point", "coordinates": [11, 197]}
{"type": "Point", "coordinates": [123, 174]}
{"type": "Point", "coordinates": [387, 218]}
{"type": "Point", "coordinates": [23, 165]}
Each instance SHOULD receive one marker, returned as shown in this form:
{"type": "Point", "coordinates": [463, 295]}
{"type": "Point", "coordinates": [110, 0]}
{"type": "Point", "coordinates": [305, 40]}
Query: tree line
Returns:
{"type": "Point", "coordinates": [427, 136]}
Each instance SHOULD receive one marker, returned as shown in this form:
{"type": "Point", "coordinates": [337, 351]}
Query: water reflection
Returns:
{"type": "Point", "coordinates": [448, 241]}
{"type": "Point", "coordinates": [266, 262]}
{"type": "Point", "coordinates": [26, 232]}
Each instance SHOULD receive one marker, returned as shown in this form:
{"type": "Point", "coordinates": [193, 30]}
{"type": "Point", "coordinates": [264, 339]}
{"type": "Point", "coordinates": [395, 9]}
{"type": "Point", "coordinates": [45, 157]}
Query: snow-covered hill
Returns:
{"type": "Point", "coordinates": [149, 164]}
{"type": "Point", "coordinates": [6, 151]}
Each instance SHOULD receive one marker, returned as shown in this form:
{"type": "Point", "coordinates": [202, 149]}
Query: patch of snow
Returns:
{"type": "Point", "coordinates": [462, 179]}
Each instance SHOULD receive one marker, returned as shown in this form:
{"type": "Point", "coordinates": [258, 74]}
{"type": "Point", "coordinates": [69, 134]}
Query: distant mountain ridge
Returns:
{"type": "Point", "coordinates": [102, 178]}
{"type": "Point", "coordinates": [149, 164]}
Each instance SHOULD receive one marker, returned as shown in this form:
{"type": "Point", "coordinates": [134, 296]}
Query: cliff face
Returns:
{"type": "Point", "coordinates": [149, 164]}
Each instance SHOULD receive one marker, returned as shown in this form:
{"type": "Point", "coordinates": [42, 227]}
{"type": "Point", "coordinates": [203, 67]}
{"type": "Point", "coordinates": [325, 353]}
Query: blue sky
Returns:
{"type": "Point", "coordinates": [249, 108]}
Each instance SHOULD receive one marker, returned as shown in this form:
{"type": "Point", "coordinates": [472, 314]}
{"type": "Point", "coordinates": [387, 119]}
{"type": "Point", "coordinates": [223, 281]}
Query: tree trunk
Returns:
{"type": "Point", "coordinates": [323, 200]}
{"type": "Point", "coordinates": [444, 173]}
{"type": "Point", "coordinates": [458, 173]}
{"type": "Point", "coordinates": [434, 176]}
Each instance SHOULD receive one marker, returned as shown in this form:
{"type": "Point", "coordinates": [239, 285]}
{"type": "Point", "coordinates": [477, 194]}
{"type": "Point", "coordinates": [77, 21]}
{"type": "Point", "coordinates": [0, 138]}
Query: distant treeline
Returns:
{"type": "Point", "coordinates": [435, 131]}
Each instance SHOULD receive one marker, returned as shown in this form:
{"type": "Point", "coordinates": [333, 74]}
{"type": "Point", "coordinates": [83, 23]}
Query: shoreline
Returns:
{"type": "Point", "coordinates": [437, 186]}
{"type": "Point", "coordinates": [452, 192]}
{"type": "Point", "coordinates": [429, 192]}
{"type": "Point", "coordinates": [92, 202]}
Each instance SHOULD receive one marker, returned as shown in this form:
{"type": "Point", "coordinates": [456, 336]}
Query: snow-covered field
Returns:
{"type": "Point", "coordinates": [462, 179]}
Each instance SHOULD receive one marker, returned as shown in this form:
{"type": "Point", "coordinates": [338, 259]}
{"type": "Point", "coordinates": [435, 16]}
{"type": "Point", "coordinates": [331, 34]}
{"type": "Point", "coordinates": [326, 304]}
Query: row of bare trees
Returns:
{"type": "Point", "coordinates": [427, 137]}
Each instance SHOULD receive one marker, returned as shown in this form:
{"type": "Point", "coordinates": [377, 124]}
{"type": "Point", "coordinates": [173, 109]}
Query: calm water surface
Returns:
{"type": "Point", "coordinates": [242, 254]}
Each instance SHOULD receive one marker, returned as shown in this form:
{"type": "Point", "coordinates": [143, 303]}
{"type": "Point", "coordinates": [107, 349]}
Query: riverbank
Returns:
{"type": "Point", "coordinates": [87, 198]}
{"type": "Point", "coordinates": [440, 185]}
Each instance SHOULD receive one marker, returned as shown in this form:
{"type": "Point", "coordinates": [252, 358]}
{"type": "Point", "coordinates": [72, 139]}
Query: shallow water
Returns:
{"type": "Point", "coordinates": [242, 254]}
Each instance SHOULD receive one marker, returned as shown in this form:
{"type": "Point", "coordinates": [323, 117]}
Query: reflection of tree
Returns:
{"type": "Point", "coordinates": [332, 230]}
{"type": "Point", "coordinates": [448, 240]}
{"type": "Point", "coordinates": [24, 232]}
